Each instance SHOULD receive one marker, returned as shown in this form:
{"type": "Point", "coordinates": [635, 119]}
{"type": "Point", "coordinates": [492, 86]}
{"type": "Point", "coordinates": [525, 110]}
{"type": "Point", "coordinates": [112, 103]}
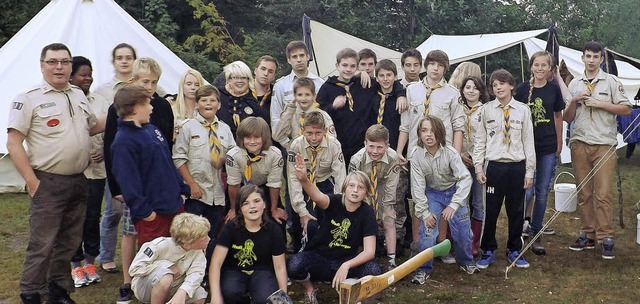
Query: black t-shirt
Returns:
{"type": "Point", "coordinates": [543, 103]}
{"type": "Point", "coordinates": [251, 250]}
{"type": "Point", "coordinates": [350, 125]}
{"type": "Point", "coordinates": [341, 232]}
{"type": "Point", "coordinates": [391, 116]}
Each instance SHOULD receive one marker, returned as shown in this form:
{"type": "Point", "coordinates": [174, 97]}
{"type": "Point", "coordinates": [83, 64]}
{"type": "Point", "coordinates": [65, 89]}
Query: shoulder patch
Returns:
{"type": "Point", "coordinates": [341, 157]}
{"type": "Point", "coordinates": [291, 156]}
{"type": "Point", "coordinates": [352, 167]}
{"type": "Point", "coordinates": [148, 252]}
{"type": "Point", "coordinates": [395, 168]}
{"type": "Point", "coordinates": [17, 105]}
{"type": "Point", "coordinates": [230, 161]}
{"type": "Point", "coordinates": [621, 89]}
{"type": "Point", "coordinates": [280, 163]}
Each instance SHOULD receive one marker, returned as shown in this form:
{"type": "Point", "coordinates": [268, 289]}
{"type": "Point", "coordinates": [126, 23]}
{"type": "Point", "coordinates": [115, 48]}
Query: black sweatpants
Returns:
{"type": "Point", "coordinates": [505, 182]}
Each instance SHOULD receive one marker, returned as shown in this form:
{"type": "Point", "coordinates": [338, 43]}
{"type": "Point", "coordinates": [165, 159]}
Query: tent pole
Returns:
{"type": "Point", "coordinates": [485, 68]}
{"type": "Point", "coordinates": [521, 63]}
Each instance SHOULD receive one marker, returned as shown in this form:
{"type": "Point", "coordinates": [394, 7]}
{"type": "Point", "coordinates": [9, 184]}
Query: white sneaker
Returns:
{"type": "Point", "coordinates": [91, 274]}
{"type": "Point", "coordinates": [79, 278]}
{"type": "Point", "coordinates": [448, 259]}
{"type": "Point", "coordinates": [420, 278]}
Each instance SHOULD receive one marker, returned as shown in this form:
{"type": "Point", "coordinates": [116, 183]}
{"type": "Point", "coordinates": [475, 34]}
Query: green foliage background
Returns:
{"type": "Point", "coordinates": [209, 34]}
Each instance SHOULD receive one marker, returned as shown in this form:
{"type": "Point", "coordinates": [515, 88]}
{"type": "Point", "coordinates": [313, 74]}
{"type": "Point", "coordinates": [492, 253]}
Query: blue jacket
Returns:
{"type": "Point", "coordinates": [143, 168]}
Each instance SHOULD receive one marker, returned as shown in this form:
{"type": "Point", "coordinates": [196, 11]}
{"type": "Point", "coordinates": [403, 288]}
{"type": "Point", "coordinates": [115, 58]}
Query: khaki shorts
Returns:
{"type": "Point", "coordinates": [386, 212]}
{"type": "Point", "coordinates": [143, 286]}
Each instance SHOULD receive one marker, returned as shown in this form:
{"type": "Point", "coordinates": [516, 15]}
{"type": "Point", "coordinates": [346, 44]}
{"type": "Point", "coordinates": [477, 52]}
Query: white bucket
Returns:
{"type": "Point", "coordinates": [562, 193]}
{"type": "Point", "coordinates": [638, 234]}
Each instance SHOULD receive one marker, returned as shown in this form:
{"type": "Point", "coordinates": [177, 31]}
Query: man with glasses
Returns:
{"type": "Point", "coordinates": [55, 121]}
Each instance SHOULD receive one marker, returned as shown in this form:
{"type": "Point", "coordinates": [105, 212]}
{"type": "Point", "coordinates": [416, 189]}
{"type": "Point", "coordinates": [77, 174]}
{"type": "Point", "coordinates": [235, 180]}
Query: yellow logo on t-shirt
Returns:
{"type": "Point", "coordinates": [245, 254]}
{"type": "Point", "coordinates": [340, 233]}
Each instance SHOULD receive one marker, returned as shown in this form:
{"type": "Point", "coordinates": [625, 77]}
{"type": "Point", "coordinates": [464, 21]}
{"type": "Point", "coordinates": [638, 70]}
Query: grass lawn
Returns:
{"type": "Point", "coordinates": [561, 276]}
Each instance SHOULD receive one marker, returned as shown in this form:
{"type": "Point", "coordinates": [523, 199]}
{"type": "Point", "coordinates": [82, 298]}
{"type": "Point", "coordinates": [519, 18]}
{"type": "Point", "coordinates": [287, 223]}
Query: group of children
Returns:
{"type": "Point", "coordinates": [344, 156]}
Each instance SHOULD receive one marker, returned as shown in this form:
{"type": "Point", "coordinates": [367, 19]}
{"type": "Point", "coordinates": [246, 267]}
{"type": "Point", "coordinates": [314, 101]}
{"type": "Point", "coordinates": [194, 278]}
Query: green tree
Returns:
{"type": "Point", "coordinates": [14, 14]}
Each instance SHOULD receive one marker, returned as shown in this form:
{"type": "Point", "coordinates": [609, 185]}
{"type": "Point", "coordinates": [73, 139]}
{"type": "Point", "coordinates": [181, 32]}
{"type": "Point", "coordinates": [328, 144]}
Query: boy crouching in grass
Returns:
{"type": "Point", "coordinates": [170, 269]}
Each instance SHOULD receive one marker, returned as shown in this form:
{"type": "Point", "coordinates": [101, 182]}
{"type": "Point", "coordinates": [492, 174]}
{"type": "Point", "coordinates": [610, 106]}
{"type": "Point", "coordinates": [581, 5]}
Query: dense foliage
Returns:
{"type": "Point", "coordinates": [208, 34]}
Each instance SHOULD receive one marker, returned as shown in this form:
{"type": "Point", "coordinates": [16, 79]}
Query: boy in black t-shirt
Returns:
{"type": "Point", "coordinates": [348, 103]}
{"type": "Point", "coordinates": [347, 224]}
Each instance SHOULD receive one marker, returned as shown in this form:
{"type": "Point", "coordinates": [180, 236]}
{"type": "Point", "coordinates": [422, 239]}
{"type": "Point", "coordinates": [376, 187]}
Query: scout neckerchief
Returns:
{"type": "Point", "coordinates": [250, 161]}
{"type": "Point", "coordinates": [507, 125]}
{"type": "Point", "coordinates": [374, 185]}
{"type": "Point", "coordinates": [314, 164]}
{"type": "Point", "coordinates": [591, 85]}
{"type": "Point", "coordinates": [302, 114]}
{"type": "Point", "coordinates": [468, 111]}
{"type": "Point", "coordinates": [214, 142]}
{"type": "Point", "coordinates": [427, 99]}
{"type": "Point", "coordinates": [347, 88]}
{"type": "Point", "coordinates": [263, 99]}
{"type": "Point", "coordinates": [235, 105]}
{"type": "Point", "coordinates": [383, 100]}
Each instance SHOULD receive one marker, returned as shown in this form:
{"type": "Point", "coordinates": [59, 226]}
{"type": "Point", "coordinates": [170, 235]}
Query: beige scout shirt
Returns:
{"type": "Point", "coordinates": [443, 104]}
{"type": "Point", "coordinates": [192, 148]}
{"type": "Point", "coordinates": [163, 252]}
{"type": "Point", "coordinates": [56, 125]}
{"type": "Point", "coordinates": [330, 162]}
{"type": "Point", "coordinates": [267, 171]}
{"type": "Point", "coordinates": [596, 126]}
{"type": "Point", "coordinates": [471, 124]}
{"type": "Point", "coordinates": [489, 138]}
{"type": "Point", "coordinates": [99, 106]}
{"type": "Point", "coordinates": [440, 171]}
{"type": "Point", "coordinates": [388, 173]}
{"type": "Point", "coordinates": [288, 127]}
{"type": "Point", "coordinates": [108, 90]}
{"type": "Point", "coordinates": [283, 94]}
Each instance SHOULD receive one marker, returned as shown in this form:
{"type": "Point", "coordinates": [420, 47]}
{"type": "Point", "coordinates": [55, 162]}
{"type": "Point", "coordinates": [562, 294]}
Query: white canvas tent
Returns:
{"type": "Point", "coordinates": [90, 28]}
{"type": "Point", "coordinates": [466, 47]}
{"type": "Point", "coordinates": [327, 42]}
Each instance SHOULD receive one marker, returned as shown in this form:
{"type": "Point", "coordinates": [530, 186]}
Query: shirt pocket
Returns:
{"type": "Point", "coordinates": [516, 136]}
{"type": "Point", "coordinates": [199, 149]}
{"type": "Point", "coordinates": [325, 164]}
{"type": "Point", "coordinates": [50, 120]}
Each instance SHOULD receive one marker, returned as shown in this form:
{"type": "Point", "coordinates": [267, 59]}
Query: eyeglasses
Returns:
{"type": "Point", "coordinates": [239, 78]}
{"type": "Point", "coordinates": [54, 62]}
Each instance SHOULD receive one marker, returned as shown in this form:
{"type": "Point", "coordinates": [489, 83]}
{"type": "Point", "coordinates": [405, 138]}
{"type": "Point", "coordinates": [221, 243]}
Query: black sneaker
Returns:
{"type": "Point", "coordinates": [607, 249]}
{"type": "Point", "coordinates": [537, 247]}
{"type": "Point", "coordinates": [125, 294]}
{"type": "Point", "coordinates": [583, 242]}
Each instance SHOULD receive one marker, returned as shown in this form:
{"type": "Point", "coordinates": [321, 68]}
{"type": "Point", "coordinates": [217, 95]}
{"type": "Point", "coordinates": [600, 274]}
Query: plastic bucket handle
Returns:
{"type": "Point", "coordinates": [555, 181]}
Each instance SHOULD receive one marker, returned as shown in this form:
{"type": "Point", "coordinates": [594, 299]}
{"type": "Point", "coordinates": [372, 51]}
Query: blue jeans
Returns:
{"type": "Point", "coordinates": [238, 287]}
{"type": "Point", "coordinates": [315, 267]}
{"type": "Point", "coordinates": [459, 225]}
{"type": "Point", "coordinates": [109, 227]}
{"type": "Point", "coordinates": [545, 171]}
{"type": "Point", "coordinates": [477, 197]}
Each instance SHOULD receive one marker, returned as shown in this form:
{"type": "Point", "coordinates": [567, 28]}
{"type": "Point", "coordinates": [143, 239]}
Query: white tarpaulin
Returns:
{"type": "Point", "coordinates": [466, 47]}
{"type": "Point", "coordinates": [327, 42]}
